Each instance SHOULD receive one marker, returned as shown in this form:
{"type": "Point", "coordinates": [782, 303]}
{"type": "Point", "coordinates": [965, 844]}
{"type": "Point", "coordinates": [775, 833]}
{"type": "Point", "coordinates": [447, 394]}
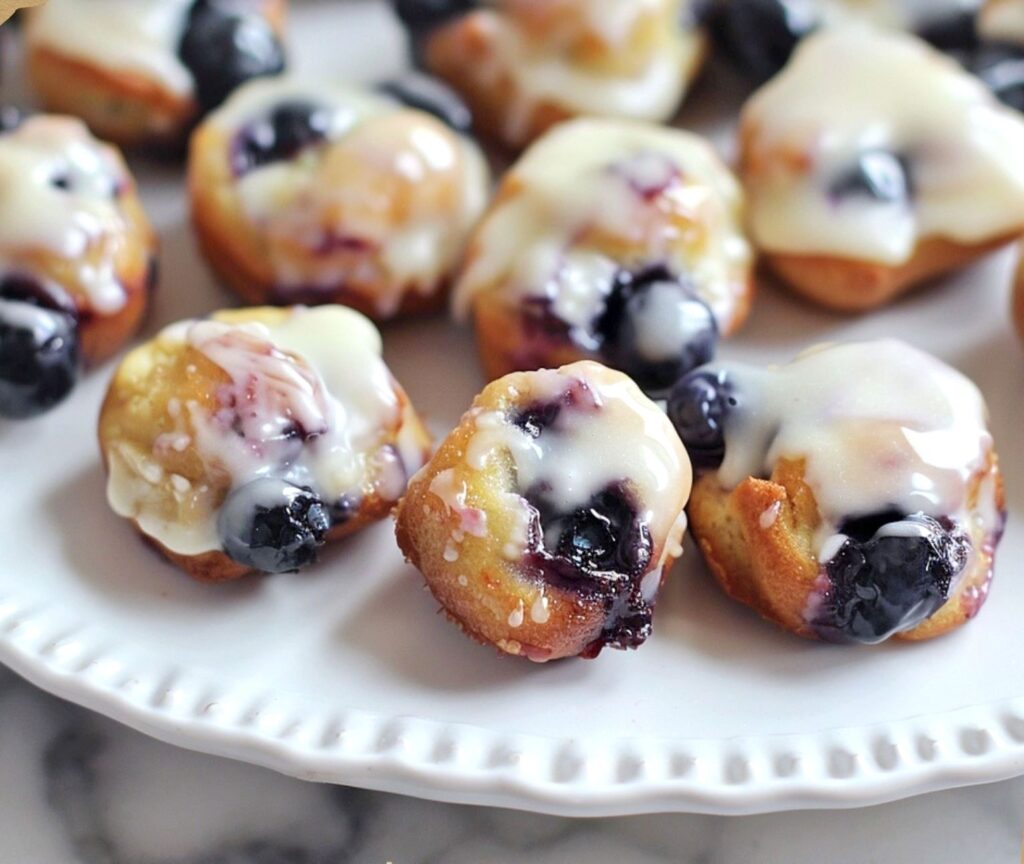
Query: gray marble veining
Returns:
{"type": "Point", "coordinates": [76, 788]}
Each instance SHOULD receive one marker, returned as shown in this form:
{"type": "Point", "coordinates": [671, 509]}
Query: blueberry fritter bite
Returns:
{"type": "Point", "coordinates": [873, 163]}
{"type": "Point", "coordinates": [77, 258]}
{"type": "Point", "coordinates": [852, 495]}
{"type": "Point", "coordinates": [525, 65]}
{"type": "Point", "coordinates": [245, 441]}
{"type": "Point", "coordinates": [547, 520]}
{"type": "Point", "coordinates": [614, 241]}
{"type": "Point", "coordinates": [317, 193]}
{"type": "Point", "coordinates": [142, 72]}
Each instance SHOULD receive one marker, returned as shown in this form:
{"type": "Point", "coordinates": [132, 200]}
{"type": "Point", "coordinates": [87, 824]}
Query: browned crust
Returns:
{"type": "Point", "coordinates": [774, 569]}
{"type": "Point", "coordinates": [465, 44]}
{"type": "Point", "coordinates": [849, 285]}
{"type": "Point", "coordinates": [122, 106]}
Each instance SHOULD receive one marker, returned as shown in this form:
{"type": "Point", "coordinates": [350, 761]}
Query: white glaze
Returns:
{"type": "Point", "coordinates": [134, 36]}
{"type": "Point", "coordinates": [879, 425]}
{"type": "Point", "coordinates": [614, 434]}
{"type": "Point", "coordinates": [528, 67]}
{"type": "Point", "coordinates": [578, 177]}
{"type": "Point", "coordinates": [287, 201]}
{"type": "Point", "coordinates": [320, 368]}
{"type": "Point", "coordinates": [849, 91]}
{"type": "Point", "coordinates": [68, 223]}
{"type": "Point", "coordinates": [1002, 21]}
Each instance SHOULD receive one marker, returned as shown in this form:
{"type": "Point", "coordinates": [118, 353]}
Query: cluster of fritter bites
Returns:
{"type": "Point", "coordinates": [852, 495]}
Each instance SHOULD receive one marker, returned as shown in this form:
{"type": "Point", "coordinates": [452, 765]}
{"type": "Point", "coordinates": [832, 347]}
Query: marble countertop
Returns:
{"type": "Point", "coordinates": [76, 788]}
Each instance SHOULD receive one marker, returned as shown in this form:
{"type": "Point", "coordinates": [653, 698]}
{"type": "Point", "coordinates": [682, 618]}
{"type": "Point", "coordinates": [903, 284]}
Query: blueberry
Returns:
{"type": "Point", "coordinates": [759, 35]}
{"type": "Point", "coordinates": [536, 418]}
{"type": "Point", "coordinates": [47, 295]}
{"type": "Point", "coordinates": [699, 407]}
{"type": "Point", "coordinates": [891, 582]}
{"type": "Point", "coordinates": [281, 135]}
{"type": "Point", "coordinates": [663, 330]}
{"type": "Point", "coordinates": [423, 15]}
{"type": "Point", "coordinates": [955, 31]}
{"type": "Point", "coordinates": [878, 175]}
{"type": "Point", "coordinates": [273, 526]}
{"type": "Point", "coordinates": [1001, 67]}
{"type": "Point", "coordinates": [39, 358]}
{"type": "Point", "coordinates": [223, 49]}
{"type": "Point", "coordinates": [10, 118]}
{"type": "Point", "coordinates": [605, 536]}
{"type": "Point", "coordinates": [425, 93]}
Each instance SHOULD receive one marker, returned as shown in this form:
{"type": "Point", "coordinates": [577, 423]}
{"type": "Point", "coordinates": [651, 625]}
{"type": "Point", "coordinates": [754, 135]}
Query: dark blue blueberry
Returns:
{"type": "Point", "coordinates": [281, 135]}
{"type": "Point", "coordinates": [10, 118]}
{"type": "Point", "coordinates": [657, 330]}
{"type": "Point", "coordinates": [759, 35]}
{"type": "Point", "coordinates": [891, 582]}
{"type": "Point", "coordinates": [1001, 67]}
{"type": "Point", "coordinates": [273, 526]}
{"type": "Point", "coordinates": [699, 407]}
{"type": "Point", "coordinates": [955, 31]}
{"type": "Point", "coordinates": [423, 15]}
{"type": "Point", "coordinates": [600, 552]}
{"type": "Point", "coordinates": [425, 93]}
{"type": "Point", "coordinates": [536, 418]}
{"type": "Point", "coordinates": [223, 47]}
{"type": "Point", "coordinates": [605, 536]}
{"type": "Point", "coordinates": [27, 289]}
{"type": "Point", "coordinates": [39, 358]}
{"type": "Point", "coordinates": [878, 175]}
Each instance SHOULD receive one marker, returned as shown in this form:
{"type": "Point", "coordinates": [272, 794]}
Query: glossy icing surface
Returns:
{"type": "Point", "coordinates": [582, 453]}
{"type": "Point", "coordinates": [59, 197]}
{"type": "Point", "coordinates": [854, 94]}
{"type": "Point", "coordinates": [594, 196]}
{"type": "Point", "coordinates": [902, 432]}
{"type": "Point", "coordinates": [318, 209]}
{"type": "Point", "coordinates": [306, 399]}
{"type": "Point", "coordinates": [135, 36]}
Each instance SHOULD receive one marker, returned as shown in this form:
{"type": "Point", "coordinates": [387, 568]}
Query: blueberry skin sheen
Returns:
{"type": "Point", "coordinates": [286, 131]}
{"type": "Point", "coordinates": [879, 176]}
{"type": "Point", "coordinates": [758, 35]}
{"type": "Point", "coordinates": [664, 331]}
{"type": "Point", "coordinates": [421, 16]}
{"type": "Point", "coordinates": [224, 49]}
{"type": "Point", "coordinates": [699, 406]}
{"type": "Point", "coordinates": [273, 526]}
{"type": "Point", "coordinates": [892, 582]}
{"type": "Point", "coordinates": [40, 360]}
{"type": "Point", "coordinates": [424, 93]}
{"type": "Point", "coordinates": [1001, 67]}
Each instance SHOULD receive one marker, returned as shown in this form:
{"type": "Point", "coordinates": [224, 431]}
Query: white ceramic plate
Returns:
{"type": "Point", "coordinates": [347, 674]}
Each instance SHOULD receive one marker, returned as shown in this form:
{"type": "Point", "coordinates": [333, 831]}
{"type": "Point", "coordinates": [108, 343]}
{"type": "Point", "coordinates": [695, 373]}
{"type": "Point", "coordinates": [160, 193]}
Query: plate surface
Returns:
{"type": "Point", "coordinates": [348, 674]}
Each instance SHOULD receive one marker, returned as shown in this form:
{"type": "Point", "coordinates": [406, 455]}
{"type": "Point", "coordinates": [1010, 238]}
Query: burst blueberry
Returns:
{"type": "Point", "coordinates": [425, 93]}
{"type": "Point", "coordinates": [892, 582]}
{"type": "Point", "coordinates": [224, 48]}
{"type": "Point", "coordinates": [39, 358]}
{"type": "Point", "coordinates": [286, 131]}
{"type": "Point", "coordinates": [273, 526]}
{"type": "Point", "coordinates": [699, 406]}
